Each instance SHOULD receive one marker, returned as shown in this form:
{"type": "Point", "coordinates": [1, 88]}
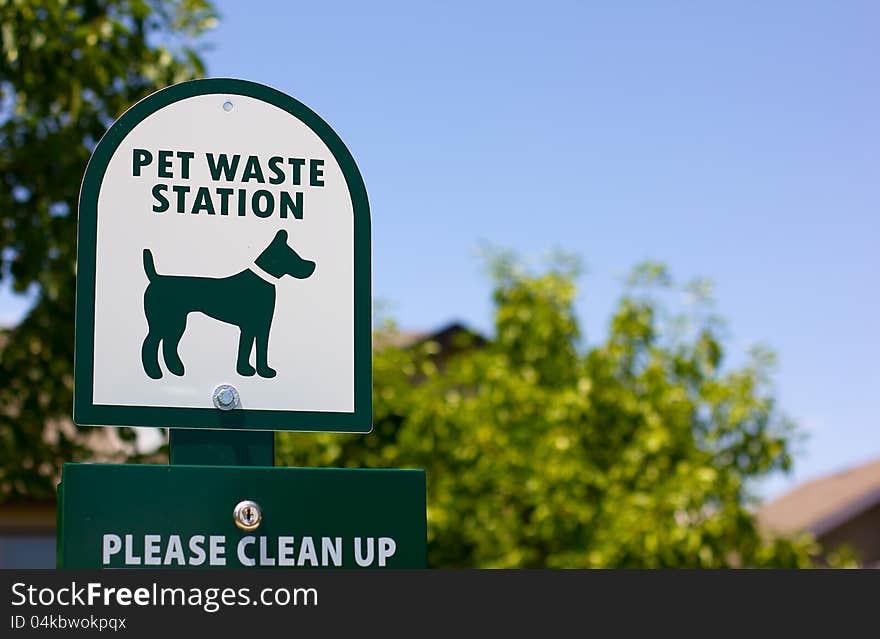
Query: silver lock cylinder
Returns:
{"type": "Point", "coordinates": [247, 515]}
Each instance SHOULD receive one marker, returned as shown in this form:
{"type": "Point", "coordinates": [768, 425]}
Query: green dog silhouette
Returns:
{"type": "Point", "coordinates": [246, 300]}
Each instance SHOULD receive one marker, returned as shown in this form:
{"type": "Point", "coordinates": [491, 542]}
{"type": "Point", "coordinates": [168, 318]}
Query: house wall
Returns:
{"type": "Point", "coordinates": [861, 533]}
{"type": "Point", "coordinates": [27, 535]}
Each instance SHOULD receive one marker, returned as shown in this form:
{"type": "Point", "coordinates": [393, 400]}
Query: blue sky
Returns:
{"type": "Point", "coordinates": [737, 141]}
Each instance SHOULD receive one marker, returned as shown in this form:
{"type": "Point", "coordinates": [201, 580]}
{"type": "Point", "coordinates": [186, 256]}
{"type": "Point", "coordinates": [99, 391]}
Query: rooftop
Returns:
{"type": "Point", "coordinates": [825, 503]}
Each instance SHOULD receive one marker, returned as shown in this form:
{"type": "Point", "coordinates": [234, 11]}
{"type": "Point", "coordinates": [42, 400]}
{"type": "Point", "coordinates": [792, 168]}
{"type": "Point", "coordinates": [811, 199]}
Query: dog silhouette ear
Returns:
{"type": "Point", "coordinates": [281, 235]}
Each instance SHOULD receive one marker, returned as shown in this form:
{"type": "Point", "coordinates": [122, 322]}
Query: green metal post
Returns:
{"type": "Point", "coordinates": [200, 447]}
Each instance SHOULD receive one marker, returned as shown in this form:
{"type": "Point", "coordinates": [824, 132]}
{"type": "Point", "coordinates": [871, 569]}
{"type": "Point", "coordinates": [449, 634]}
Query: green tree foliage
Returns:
{"type": "Point", "coordinates": [67, 69]}
{"type": "Point", "coordinates": [636, 452]}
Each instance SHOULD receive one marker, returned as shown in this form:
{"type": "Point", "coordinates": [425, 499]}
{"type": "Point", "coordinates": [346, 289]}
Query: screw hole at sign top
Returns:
{"type": "Point", "coordinates": [227, 106]}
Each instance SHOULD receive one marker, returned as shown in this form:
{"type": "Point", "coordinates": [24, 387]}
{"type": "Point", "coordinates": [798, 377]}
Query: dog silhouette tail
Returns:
{"type": "Point", "coordinates": [149, 266]}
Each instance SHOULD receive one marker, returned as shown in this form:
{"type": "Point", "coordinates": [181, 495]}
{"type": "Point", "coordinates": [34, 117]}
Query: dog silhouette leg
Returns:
{"type": "Point", "coordinates": [150, 356]}
{"type": "Point", "coordinates": [169, 347]}
{"type": "Point", "coordinates": [263, 368]}
{"type": "Point", "coordinates": [245, 344]}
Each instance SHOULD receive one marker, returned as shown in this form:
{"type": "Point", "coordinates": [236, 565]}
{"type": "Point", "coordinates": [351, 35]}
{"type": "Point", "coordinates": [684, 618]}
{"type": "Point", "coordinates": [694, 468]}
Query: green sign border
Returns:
{"type": "Point", "coordinates": [85, 412]}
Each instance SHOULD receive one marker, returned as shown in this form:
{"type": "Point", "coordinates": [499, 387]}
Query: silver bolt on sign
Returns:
{"type": "Point", "coordinates": [226, 397]}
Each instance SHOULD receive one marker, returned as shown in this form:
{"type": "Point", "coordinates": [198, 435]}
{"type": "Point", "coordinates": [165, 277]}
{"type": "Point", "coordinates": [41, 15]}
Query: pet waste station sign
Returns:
{"type": "Point", "coordinates": [224, 239]}
{"type": "Point", "coordinates": [223, 292]}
